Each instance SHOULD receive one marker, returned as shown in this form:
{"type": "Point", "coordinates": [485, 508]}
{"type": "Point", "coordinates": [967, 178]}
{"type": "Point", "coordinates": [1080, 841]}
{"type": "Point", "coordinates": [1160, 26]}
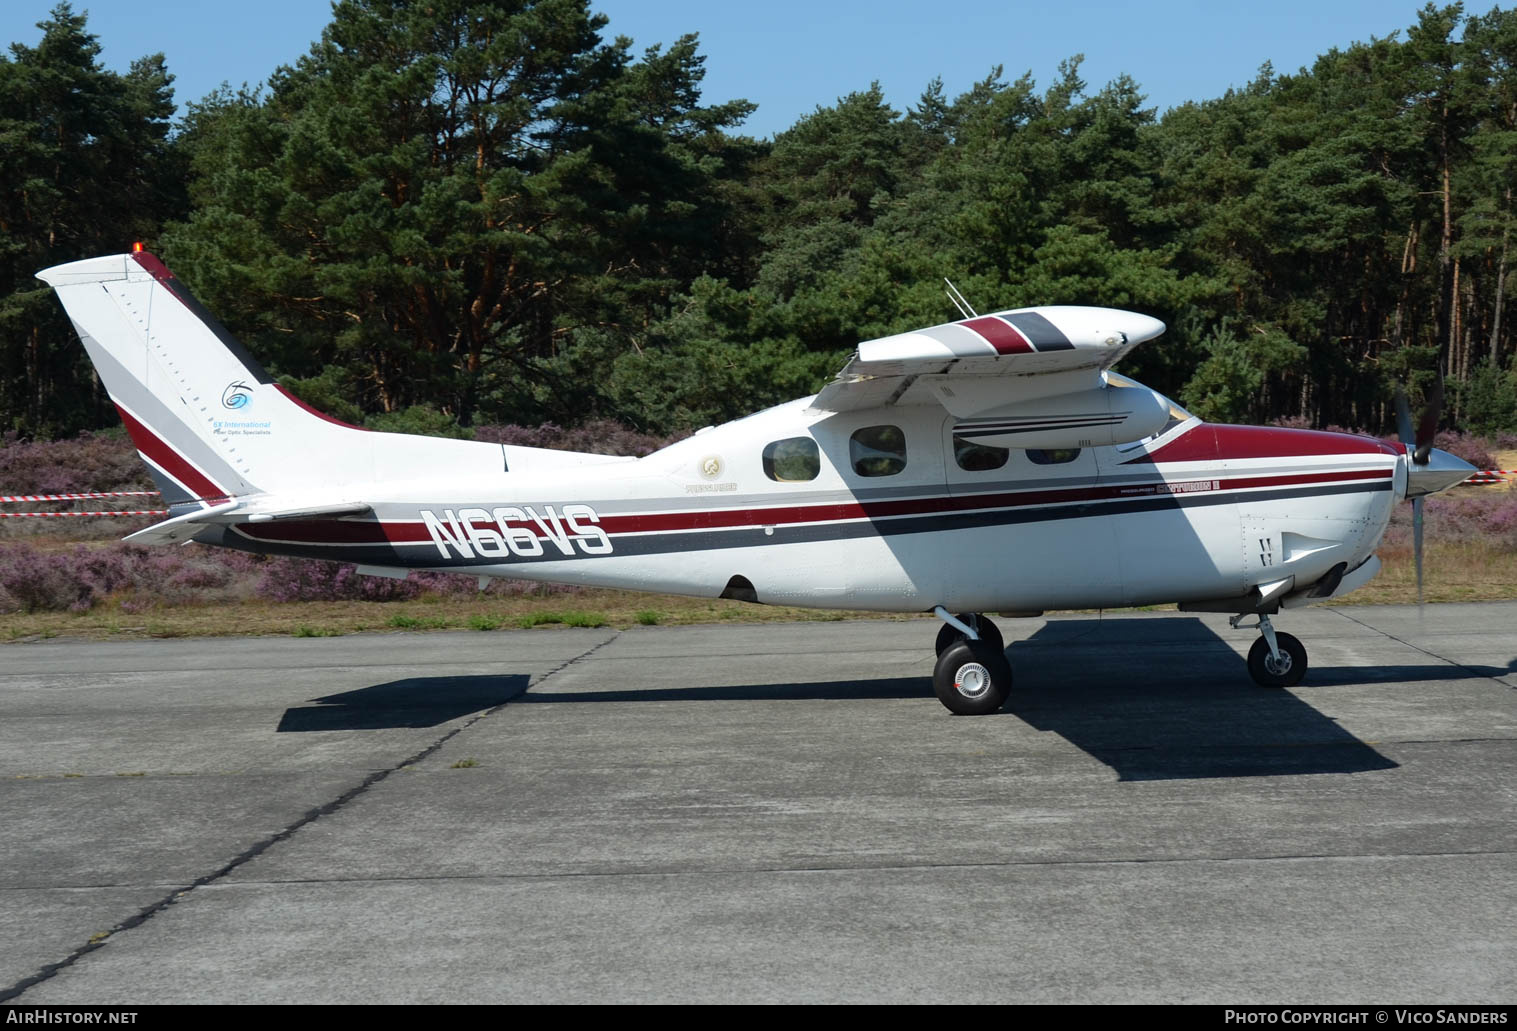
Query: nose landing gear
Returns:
{"type": "Point", "coordinates": [1277, 659]}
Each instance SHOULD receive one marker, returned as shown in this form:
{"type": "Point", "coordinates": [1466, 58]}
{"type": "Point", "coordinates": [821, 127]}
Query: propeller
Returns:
{"type": "Point", "coordinates": [1419, 449]}
{"type": "Point", "coordinates": [1404, 431]}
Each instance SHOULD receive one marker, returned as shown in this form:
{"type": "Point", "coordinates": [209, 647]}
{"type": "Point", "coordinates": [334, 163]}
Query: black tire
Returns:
{"type": "Point", "coordinates": [989, 633]}
{"type": "Point", "coordinates": [1288, 672]}
{"type": "Point", "coordinates": [972, 678]}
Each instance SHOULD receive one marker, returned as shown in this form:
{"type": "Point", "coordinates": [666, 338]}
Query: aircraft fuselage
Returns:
{"type": "Point", "coordinates": [894, 510]}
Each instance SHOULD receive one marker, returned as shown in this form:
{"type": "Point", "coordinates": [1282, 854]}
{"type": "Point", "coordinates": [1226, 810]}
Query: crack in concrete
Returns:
{"type": "Point", "coordinates": [1425, 651]}
{"type": "Point", "coordinates": [258, 848]}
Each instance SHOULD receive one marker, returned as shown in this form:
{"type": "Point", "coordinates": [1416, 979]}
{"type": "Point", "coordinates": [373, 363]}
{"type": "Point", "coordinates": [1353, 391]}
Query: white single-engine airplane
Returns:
{"type": "Point", "coordinates": [989, 464]}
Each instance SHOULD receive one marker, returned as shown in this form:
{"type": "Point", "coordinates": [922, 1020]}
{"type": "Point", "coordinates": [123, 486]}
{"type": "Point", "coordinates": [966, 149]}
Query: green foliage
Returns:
{"type": "Point", "coordinates": [1488, 400]}
{"type": "Point", "coordinates": [85, 169]}
{"type": "Point", "coordinates": [1228, 383]}
{"type": "Point", "coordinates": [423, 420]}
{"type": "Point", "coordinates": [328, 392]}
{"type": "Point", "coordinates": [436, 194]}
{"type": "Point", "coordinates": [572, 618]}
{"type": "Point", "coordinates": [461, 213]}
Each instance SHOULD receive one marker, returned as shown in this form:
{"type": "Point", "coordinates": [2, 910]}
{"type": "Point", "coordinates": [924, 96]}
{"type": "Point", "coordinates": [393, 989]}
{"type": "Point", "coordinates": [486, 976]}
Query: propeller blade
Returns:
{"type": "Point", "coordinates": [1417, 544]}
{"type": "Point", "coordinates": [1427, 426]}
{"type": "Point", "coordinates": [1404, 418]}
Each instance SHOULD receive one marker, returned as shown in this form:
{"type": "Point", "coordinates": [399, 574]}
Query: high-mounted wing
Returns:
{"type": "Point", "coordinates": [1032, 352]}
{"type": "Point", "coordinates": [1024, 378]}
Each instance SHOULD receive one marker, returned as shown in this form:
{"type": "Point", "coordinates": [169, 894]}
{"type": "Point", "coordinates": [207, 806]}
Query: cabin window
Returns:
{"type": "Point", "coordinates": [978, 458]}
{"type": "Point", "coordinates": [877, 450]}
{"type": "Point", "coordinates": [792, 460]}
{"type": "Point", "coordinates": [1052, 456]}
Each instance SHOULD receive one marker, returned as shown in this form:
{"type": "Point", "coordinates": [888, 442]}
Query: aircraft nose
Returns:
{"type": "Point", "coordinates": [1441, 472]}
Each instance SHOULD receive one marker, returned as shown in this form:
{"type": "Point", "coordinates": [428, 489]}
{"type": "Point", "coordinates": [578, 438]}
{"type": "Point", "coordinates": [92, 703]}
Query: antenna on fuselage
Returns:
{"type": "Point", "coordinates": [958, 300]}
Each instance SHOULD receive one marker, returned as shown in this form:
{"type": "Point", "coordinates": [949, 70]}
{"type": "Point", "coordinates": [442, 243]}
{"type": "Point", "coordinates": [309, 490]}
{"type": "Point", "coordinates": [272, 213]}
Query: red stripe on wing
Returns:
{"type": "Point", "coordinates": [1001, 335]}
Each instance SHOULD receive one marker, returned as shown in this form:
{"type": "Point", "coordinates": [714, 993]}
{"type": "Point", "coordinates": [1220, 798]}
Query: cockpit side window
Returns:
{"type": "Point", "coordinates": [877, 450]}
{"type": "Point", "coordinates": [978, 458]}
{"type": "Point", "coordinates": [792, 460]}
{"type": "Point", "coordinates": [1052, 456]}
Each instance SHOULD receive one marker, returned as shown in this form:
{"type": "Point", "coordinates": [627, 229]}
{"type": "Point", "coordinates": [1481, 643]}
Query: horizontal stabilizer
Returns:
{"type": "Point", "coordinates": [254, 510]}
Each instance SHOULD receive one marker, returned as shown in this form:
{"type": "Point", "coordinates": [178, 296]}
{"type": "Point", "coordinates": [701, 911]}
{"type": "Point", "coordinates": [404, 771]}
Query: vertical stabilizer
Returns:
{"type": "Point", "coordinates": [212, 424]}
{"type": "Point", "coordinates": [204, 415]}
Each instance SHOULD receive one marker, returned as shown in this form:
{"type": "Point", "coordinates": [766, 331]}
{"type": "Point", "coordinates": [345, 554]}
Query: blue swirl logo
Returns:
{"type": "Point", "coordinates": [236, 396]}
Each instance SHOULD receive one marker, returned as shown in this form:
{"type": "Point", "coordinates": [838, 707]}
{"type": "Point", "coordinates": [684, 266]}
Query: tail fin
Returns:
{"type": "Point", "coordinates": [224, 442]}
{"type": "Point", "coordinates": [205, 416]}
{"type": "Point", "coordinates": [160, 358]}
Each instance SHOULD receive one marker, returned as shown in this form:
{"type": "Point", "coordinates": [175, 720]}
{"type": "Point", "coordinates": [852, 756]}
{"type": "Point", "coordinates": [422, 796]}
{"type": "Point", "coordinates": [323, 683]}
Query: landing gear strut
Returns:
{"type": "Point", "coordinates": [972, 677]}
{"type": "Point", "coordinates": [1277, 659]}
{"type": "Point", "coordinates": [988, 631]}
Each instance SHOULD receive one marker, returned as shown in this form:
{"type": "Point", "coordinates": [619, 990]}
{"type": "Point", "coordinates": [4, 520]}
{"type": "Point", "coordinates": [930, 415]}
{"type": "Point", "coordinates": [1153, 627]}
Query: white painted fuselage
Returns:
{"type": "Point", "coordinates": [1198, 512]}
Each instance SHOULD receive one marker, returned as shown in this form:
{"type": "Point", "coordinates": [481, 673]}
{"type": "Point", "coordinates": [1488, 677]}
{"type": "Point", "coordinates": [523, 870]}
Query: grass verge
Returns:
{"type": "Point", "coordinates": [1455, 571]}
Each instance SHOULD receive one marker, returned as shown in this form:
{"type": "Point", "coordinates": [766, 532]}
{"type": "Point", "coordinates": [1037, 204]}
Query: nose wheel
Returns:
{"type": "Point", "coordinates": [1276, 659]}
{"type": "Point", "coordinates": [972, 677]}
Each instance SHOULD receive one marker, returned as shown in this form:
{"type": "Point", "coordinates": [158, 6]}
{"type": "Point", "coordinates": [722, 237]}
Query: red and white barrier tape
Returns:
{"type": "Point", "coordinates": [1490, 475]}
{"type": "Point", "coordinates": [79, 497]}
{"type": "Point", "coordinates": [64, 515]}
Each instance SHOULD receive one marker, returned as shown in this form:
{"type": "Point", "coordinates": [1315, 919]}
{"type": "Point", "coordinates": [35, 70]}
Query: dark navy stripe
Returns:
{"type": "Point", "coordinates": [1045, 336]}
{"type": "Point", "coordinates": [1045, 420]}
{"type": "Point", "coordinates": [993, 432]}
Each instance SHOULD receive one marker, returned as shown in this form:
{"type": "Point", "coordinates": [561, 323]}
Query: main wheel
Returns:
{"type": "Point", "coordinates": [1287, 672]}
{"type": "Point", "coordinates": [972, 678]}
{"type": "Point", "coordinates": [988, 631]}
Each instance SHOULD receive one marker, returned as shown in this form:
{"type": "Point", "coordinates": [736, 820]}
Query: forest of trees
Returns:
{"type": "Point", "coordinates": [461, 213]}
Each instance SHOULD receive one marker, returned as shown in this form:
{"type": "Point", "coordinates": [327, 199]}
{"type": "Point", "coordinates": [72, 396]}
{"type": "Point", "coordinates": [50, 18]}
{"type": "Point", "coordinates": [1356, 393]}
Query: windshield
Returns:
{"type": "Point", "coordinates": [1177, 414]}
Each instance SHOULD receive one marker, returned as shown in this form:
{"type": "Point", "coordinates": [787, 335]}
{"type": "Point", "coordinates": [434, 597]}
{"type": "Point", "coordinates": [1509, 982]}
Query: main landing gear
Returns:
{"type": "Point", "coordinates": [1277, 659]}
{"type": "Point", "coordinates": [972, 677]}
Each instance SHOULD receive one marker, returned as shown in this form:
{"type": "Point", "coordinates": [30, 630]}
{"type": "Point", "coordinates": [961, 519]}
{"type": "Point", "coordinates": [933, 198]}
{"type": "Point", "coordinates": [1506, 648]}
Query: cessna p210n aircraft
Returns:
{"type": "Point", "coordinates": [994, 464]}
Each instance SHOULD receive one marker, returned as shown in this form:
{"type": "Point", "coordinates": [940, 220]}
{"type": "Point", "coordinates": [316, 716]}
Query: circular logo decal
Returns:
{"type": "Point", "coordinates": [236, 395]}
{"type": "Point", "coordinates": [711, 467]}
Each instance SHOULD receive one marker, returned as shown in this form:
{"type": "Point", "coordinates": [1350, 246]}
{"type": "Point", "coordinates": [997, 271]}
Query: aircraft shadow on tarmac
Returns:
{"type": "Point", "coordinates": [1169, 699]}
{"type": "Point", "coordinates": [1154, 699]}
{"type": "Point", "coordinates": [413, 702]}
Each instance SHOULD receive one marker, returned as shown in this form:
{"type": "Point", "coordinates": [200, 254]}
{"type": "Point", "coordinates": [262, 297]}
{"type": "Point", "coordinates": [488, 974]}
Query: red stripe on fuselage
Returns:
{"type": "Point", "coordinates": [353, 532]}
{"type": "Point", "coordinates": [155, 450]}
{"type": "Point", "coordinates": [1207, 442]}
{"type": "Point", "coordinates": [1003, 336]}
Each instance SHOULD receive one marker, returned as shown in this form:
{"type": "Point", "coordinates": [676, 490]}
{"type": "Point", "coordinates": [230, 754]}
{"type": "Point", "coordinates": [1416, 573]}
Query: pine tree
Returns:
{"type": "Point", "coordinates": [84, 169]}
